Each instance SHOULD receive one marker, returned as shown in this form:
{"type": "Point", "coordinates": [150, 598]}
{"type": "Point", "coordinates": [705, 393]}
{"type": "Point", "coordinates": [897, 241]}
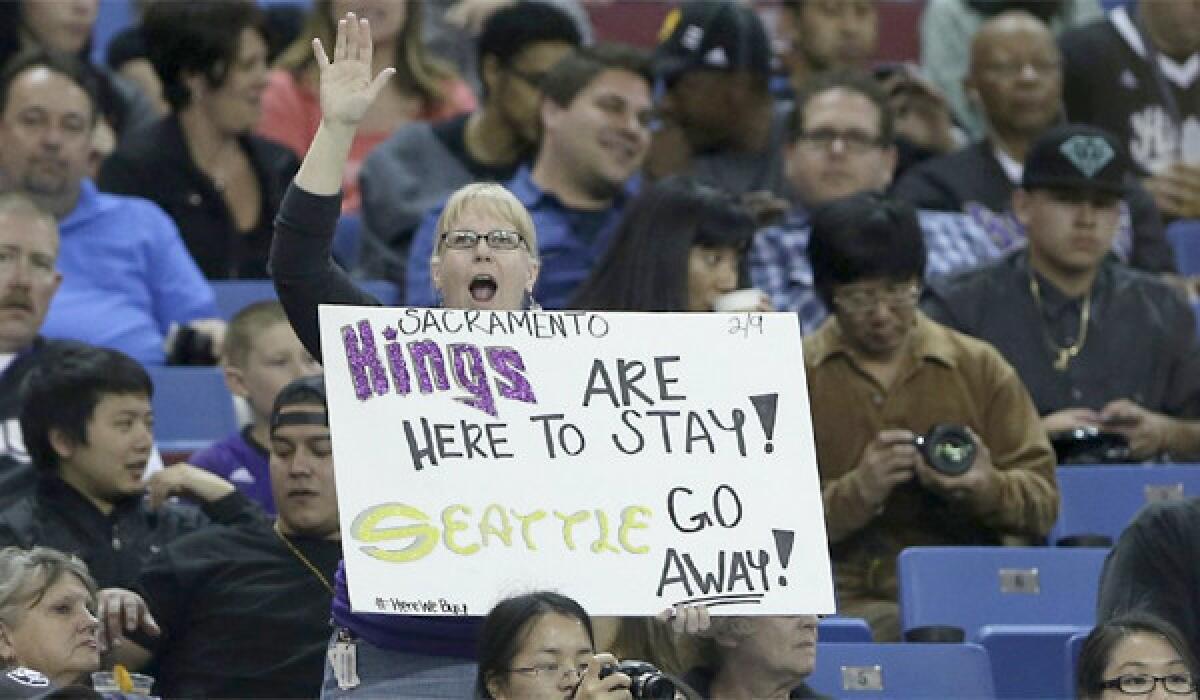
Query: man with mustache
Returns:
{"type": "Point", "coordinates": [596, 112]}
{"type": "Point", "coordinates": [1099, 345]}
{"type": "Point", "coordinates": [841, 143]}
{"type": "Point", "coordinates": [215, 593]}
{"type": "Point", "coordinates": [28, 280]}
{"type": "Point", "coordinates": [127, 276]}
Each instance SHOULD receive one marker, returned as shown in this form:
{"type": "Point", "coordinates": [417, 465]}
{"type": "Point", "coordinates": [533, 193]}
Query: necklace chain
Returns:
{"type": "Point", "coordinates": [1063, 356]}
{"type": "Point", "coordinates": [303, 559]}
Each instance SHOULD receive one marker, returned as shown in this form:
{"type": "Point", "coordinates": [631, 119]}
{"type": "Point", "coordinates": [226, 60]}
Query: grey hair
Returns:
{"type": "Point", "coordinates": [26, 575]}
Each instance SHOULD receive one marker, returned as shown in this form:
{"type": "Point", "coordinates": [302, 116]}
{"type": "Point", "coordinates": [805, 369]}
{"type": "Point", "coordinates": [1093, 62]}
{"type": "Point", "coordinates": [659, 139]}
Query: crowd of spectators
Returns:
{"type": "Point", "coordinates": [978, 240]}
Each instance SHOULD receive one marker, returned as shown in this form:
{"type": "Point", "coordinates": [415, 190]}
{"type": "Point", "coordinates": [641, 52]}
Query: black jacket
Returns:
{"type": "Point", "coordinates": [117, 546]}
{"type": "Point", "coordinates": [158, 166]}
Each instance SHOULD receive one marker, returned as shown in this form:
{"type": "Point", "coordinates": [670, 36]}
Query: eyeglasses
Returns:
{"type": "Point", "coordinates": [552, 672]}
{"type": "Point", "coordinates": [860, 301]}
{"type": "Point", "coordinates": [1144, 683]}
{"type": "Point", "coordinates": [853, 141]}
{"type": "Point", "coordinates": [41, 267]}
{"type": "Point", "coordinates": [498, 239]}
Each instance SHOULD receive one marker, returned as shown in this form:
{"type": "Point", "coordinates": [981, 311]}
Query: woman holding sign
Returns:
{"type": "Point", "coordinates": [486, 259]}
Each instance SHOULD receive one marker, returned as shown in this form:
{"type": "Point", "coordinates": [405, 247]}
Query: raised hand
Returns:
{"type": "Point", "coordinates": [347, 89]}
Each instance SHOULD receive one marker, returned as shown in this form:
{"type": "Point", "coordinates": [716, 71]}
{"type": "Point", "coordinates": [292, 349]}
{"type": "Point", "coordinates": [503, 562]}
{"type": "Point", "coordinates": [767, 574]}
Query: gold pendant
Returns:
{"type": "Point", "coordinates": [1064, 359]}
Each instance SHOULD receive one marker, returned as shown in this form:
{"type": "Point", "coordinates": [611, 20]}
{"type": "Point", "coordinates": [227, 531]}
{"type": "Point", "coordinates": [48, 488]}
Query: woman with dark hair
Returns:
{"type": "Point", "coordinates": [541, 645]}
{"type": "Point", "coordinates": [1154, 568]}
{"type": "Point", "coordinates": [424, 88]}
{"type": "Point", "coordinates": [220, 183]}
{"type": "Point", "coordinates": [678, 248]}
{"type": "Point", "coordinates": [1133, 655]}
{"type": "Point", "coordinates": [65, 26]}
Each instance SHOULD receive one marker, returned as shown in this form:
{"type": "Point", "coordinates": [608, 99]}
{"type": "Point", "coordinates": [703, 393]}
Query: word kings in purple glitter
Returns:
{"type": "Point", "coordinates": [427, 366]}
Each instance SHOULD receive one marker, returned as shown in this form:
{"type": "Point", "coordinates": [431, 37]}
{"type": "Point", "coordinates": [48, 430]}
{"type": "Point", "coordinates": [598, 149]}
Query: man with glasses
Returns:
{"type": "Point", "coordinates": [879, 374]}
{"type": "Point", "coordinates": [1015, 80]}
{"type": "Point", "coordinates": [841, 144]}
{"type": "Point", "coordinates": [422, 163]}
{"type": "Point", "coordinates": [595, 112]}
{"type": "Point", "coordinates": [1100, 346]}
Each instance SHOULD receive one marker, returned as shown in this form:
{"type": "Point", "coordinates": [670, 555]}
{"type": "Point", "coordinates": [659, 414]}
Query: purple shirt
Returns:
{"type": "Point", "coordinates": [243, 463]}
{"type": "Point", "coordinates": [428, 635]}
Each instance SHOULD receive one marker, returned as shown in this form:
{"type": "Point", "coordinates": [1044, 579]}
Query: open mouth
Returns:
{"type": "Point", "coordinates": [483, 288]}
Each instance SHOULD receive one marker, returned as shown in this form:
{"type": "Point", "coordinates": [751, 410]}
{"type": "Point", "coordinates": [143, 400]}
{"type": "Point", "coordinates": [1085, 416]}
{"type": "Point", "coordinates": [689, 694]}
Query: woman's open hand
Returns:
{"type": "Point", "coordinates": [347, 89]}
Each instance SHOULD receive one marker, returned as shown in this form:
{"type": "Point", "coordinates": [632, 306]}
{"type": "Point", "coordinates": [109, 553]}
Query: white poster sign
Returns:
{"type": "Point", "coordinates": [630, 461]}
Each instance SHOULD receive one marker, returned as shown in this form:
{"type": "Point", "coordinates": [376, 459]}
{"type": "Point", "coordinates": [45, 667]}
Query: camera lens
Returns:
{"type": "Point", "coordinates": [948, 449]}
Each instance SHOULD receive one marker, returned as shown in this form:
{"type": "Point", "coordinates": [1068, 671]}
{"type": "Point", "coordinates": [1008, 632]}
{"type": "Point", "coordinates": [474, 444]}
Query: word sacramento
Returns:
{"type": "Point", "coordinates": [530, 324]}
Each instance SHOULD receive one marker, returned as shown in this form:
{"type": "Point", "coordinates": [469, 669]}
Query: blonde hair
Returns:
{"type": "Point", "coordinates": [417, 71]}
{"type": "Point", "coordinates": [245, 327]}
{"type": "Point", "coordinates": [489, 199]}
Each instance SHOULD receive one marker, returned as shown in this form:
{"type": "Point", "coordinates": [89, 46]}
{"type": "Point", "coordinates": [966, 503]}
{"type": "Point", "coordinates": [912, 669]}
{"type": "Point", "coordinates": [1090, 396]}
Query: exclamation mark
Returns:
{"type": "Point", "coordinates": [764, 406]}
{"type": "Point", "coordinates": [783, 545]}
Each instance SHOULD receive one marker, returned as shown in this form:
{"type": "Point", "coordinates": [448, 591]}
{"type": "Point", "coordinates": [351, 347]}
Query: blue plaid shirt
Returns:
{"type": "Point", "coordinates": [779, 259]}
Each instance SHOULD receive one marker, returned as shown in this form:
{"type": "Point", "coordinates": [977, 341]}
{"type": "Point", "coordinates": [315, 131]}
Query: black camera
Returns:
{"type": "Point", "coordinates": [1088, 445]}
{"type": "Point", "coordinates": [645, 680]}
{"type": "Point", "coordinates": [948, 448]}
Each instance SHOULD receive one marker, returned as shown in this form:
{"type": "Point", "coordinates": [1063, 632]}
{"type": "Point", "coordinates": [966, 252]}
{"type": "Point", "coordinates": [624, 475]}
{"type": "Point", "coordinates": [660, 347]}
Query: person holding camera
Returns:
{"type": "Point", "coordinates": [880, 373]}
{"type": "Point", "coordinates": [541, 645]}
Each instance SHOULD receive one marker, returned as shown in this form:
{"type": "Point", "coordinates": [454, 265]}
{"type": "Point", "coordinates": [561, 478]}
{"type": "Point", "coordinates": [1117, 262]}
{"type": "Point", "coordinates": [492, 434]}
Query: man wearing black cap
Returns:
{"type": "Point", "coordinates": [720, 122]}
{"type": "Point", "coordinates": [218, 591]}
{"type": "Point", "coordinates": [1098, 344]}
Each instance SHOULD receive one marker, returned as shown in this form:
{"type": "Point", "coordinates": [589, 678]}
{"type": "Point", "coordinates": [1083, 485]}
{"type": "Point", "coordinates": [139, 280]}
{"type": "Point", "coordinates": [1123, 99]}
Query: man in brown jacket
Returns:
{"type": "Point", "coordinates": [879, 374]}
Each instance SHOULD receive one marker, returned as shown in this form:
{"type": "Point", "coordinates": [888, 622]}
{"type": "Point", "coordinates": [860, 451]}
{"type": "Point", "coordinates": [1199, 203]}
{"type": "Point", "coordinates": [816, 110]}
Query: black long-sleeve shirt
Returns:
{"type": "Point", "coordinates": [302, 264]}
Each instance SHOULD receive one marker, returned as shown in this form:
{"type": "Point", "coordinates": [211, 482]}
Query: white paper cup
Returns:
{"type": "Point", "coordinates": [739, 300]}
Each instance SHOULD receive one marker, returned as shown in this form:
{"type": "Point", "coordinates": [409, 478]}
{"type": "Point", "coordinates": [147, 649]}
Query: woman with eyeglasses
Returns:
{"type": "Point", "coordinates": [541, 645]}
{"type": "Point", "coordinates": [1136, 655]}
{"type": "Point", "coordinates": [486, 258]}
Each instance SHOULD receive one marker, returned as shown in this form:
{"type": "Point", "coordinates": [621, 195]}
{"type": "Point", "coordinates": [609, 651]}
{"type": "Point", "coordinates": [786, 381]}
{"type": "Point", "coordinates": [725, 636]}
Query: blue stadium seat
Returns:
{"type": "Point", "coordinates": [347, 241]}
{"type": "Point", "coordinates": [1027, 660]}
{"type": "Point", "coordinates": [234, 295]}
{"type": "Point", "coordinates": [969, 587]}
{"type": "Point", "coordinates": [1184, 236]}
{"type": "Point", "coordinates": [192, 408]}
{"type": "Point", "coordinates": [844, 629]}
{"type": "Point", "coordinates": [887, 671]}
{"type": "Point", "coordinates": [1101, 500]}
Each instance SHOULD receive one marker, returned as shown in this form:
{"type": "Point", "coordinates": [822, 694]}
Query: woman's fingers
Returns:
{"type": "Point", "coordinates": [339, 46]}
{"type": "Point", "coordinates": [319, 54]}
